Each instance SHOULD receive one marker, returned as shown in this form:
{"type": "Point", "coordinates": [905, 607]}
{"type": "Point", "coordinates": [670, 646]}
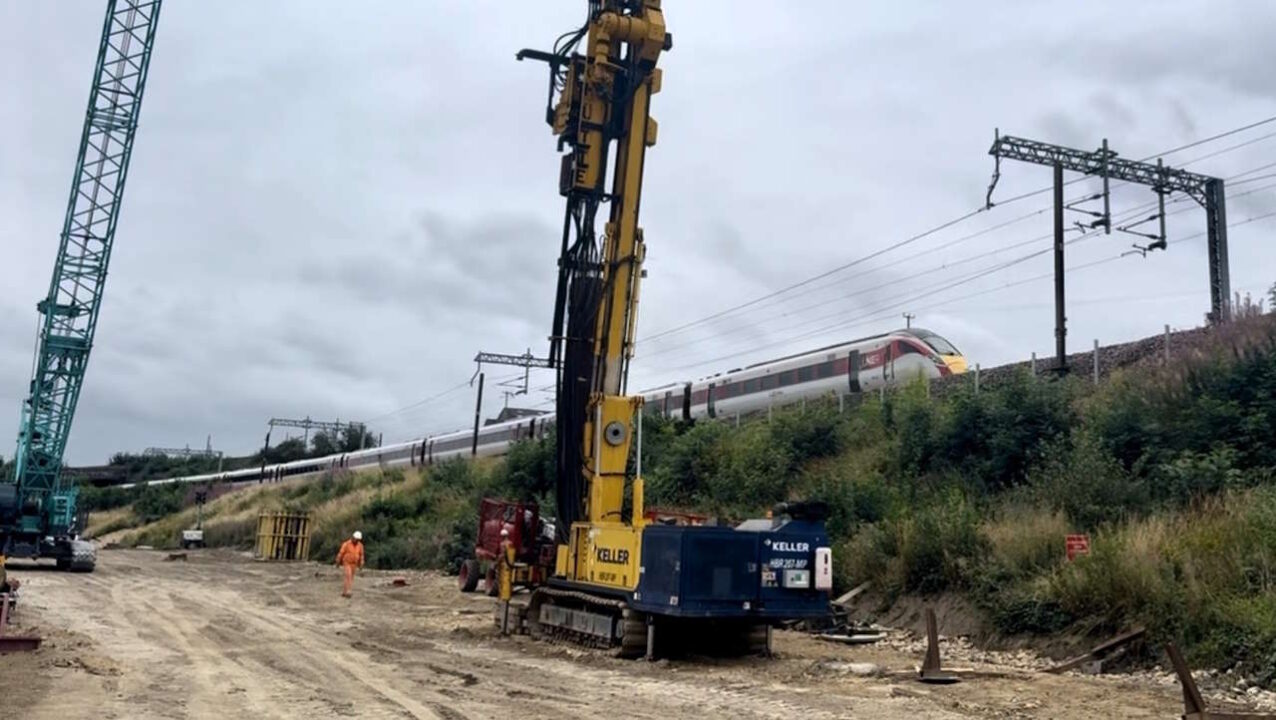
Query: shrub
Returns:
{"type": "Point", "coordinates": [855, 496]}
{"type": "Point", "coordinates": [239, 533]}
{"type": "Point", "coordinates": [939, 545]}
{"type": "Point", "coordinates": [810, 434]}
{"type": "Point", "coordinates": [1193, 475]}
{"type": "Point", "coordinates": [158, 501]}
{"type": "Point", "coordinates": [1087, 484]}
{"type": "Point", "coordinates": [914, 422]}
{"type": "Point", "coordinates": [1025, 540]}
{"type": "Point", "coordinates": [865, 556]}
{"type": "Point", "coordinates": [528, 472]}
{"type": "Point", "coordinates": [103, 498]}
{"type": "Point", "coordinates": [688, 464]}
{"type": "Point", "coordinates": [994, 436]}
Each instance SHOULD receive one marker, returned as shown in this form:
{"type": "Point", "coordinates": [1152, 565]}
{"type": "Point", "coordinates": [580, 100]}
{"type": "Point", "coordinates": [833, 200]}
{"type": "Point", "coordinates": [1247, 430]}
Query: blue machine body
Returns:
{"type": "Point", "coordinates": [731, 573]}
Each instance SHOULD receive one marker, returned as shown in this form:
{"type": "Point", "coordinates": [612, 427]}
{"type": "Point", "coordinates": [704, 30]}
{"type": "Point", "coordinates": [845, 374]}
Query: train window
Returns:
{"type": "Point", "coordinates": [824, 369]}
{"type": "Point", "coordinates": [805, 374]}
{"type": "Point", "coordinates": [940, 345]}
{"type": "Point", "coordinates": [906, 348]}
{"type": "Point", "coordinates": [698, 397]}
{"type": "Point", "coordinates": [750, 386]}
{"type": "Point", "coordinates": [770, 382]}
{"type": "Point", "coordinates": [788, 377]}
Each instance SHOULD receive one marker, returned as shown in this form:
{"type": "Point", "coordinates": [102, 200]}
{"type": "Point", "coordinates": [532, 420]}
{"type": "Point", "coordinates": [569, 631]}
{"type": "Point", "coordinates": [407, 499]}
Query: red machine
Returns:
{"type": "Point", "coordinates": [533, 545]}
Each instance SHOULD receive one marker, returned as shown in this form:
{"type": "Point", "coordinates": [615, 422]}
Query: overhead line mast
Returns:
{"type": "Point", "coordinates": [1105, 164]}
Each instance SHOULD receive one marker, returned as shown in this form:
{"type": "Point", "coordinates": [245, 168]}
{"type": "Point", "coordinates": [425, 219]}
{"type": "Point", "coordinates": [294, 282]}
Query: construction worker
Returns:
{"type": "Point", "coordinates": [350, 558]}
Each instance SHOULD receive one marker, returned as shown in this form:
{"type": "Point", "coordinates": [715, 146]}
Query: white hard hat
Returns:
{"type": "Point", "coordinates": [358, 535]}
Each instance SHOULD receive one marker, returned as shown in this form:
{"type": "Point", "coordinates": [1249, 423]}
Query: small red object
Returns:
{"type": "Point", "coordinates": [1077, 545]}
{"type": "Point", "coordinates": [399, 582]}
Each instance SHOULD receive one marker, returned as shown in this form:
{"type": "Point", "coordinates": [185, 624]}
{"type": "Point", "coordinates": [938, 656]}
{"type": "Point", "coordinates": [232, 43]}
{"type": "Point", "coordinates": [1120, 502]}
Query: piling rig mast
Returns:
{"type": "Point", "coordinates": [617, 577]}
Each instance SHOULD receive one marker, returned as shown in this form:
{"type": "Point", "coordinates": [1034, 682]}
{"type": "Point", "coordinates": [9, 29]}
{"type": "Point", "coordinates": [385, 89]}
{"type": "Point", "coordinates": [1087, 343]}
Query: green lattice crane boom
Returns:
{"type": "Point", "coordinates": [37, 510]}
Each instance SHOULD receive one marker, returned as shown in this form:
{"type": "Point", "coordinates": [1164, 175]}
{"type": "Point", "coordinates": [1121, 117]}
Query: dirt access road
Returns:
{"type": "Point", "coordinates": [222, 636]}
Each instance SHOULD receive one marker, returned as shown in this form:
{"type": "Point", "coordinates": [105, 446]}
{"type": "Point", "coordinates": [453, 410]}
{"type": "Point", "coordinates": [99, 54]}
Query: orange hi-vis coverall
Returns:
{"type": "Point", "coordinates": [350, 558]}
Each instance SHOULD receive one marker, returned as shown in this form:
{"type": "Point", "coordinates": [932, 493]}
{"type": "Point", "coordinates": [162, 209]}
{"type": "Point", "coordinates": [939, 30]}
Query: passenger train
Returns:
{"type": "Point", "coordinates": [864, 365]}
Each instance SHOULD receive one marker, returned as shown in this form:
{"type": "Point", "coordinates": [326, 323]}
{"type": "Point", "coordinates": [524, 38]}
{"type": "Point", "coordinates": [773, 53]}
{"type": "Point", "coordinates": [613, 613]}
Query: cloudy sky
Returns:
{"type": "Point", "coordinates": [333, 206]}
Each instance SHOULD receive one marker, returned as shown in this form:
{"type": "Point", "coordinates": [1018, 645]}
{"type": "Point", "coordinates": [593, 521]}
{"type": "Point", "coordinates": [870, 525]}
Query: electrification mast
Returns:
{"type": "Point", "coordinates": [1106, 164]}
{"type": "Point", "coordinates": [69, 313]}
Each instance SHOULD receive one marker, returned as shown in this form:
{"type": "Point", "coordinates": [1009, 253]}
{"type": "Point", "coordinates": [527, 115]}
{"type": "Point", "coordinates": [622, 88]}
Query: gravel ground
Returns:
{"type": "Point", "coordinates": [223, 636]}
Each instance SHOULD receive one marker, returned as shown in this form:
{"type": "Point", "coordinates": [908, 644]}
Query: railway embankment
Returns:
{"type": "Point", "coordinates": [1168, 468]}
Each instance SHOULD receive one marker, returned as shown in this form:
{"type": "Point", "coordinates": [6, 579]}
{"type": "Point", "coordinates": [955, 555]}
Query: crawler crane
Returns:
{"type": "Point", "coordinates": [38, 516]}
{"type": "Point", "coordinates": [619, 581]}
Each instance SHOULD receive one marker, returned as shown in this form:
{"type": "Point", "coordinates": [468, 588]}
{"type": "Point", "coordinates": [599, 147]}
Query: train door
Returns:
{"type": "Point", "coordinates": [853, 371]}
{"type": "Point", "coordinates": [713, 412]}
{"type": "Point", "coordinates": [686, 401]}
{"type": "Point", "coordinates": [668, 398]}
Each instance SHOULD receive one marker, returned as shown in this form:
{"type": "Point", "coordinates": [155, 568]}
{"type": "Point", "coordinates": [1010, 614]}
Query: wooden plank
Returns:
{"type": "Point", "coordinates": [852, 593]}
{"type": "Point", "coordinates": [857, 639]}
{"type": "Point", "coordinates": [1098, 651]}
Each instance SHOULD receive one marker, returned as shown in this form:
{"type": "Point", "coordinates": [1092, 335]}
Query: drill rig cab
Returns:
{"type": "Point", "coordinates": [617, 579]}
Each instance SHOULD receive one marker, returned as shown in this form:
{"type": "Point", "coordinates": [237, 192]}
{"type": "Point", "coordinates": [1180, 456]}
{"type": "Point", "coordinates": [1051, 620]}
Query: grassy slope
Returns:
{"type": "Point", "coordinates": [1172, 470]}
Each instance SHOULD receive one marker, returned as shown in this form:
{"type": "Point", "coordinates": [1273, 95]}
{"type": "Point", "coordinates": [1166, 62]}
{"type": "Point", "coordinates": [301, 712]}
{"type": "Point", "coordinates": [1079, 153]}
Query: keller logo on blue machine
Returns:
{"type": "Point", "coordinates": [612, 555]}
{"type": "Point", "coordinates": [785, 546]}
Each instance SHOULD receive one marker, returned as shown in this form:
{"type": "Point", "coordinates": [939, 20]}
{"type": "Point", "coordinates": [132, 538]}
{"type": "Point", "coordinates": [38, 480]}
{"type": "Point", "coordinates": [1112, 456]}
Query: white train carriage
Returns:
{"type": "Point", "coordinates": [863, 365]}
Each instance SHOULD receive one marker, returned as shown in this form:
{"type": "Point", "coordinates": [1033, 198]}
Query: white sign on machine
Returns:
{"type": "Point", "coordinates": [823, 568]}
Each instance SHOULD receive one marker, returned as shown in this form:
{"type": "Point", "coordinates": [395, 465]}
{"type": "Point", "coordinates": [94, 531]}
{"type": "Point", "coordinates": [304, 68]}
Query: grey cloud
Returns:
{"type": "Point", "coordinates": [499, 267]}
{"type": "Point", "coordinates": [330, 211]}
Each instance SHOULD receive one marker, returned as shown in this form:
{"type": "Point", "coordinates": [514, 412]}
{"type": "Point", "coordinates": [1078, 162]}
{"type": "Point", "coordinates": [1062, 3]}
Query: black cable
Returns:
{"type": "Point", "coordinates": [419, 403]}
{"type": "Point", "coordinates": [822, 275]}
{"type": "Point", "coordinates": [955, 221]}
{"type": "Point", "coordinates": [1128, 214]}
{"type": "Point", "coordinates": [1212, 138]}
{"type": "Point", "coordinates": [881, 313]}
{"type": "Point", "coordinates": [923, 292]}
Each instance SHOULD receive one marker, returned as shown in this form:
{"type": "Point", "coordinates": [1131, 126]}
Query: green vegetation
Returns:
{"type": "Point", "coordinates": [411, 519]}
{"type": "Point", "coordinates": [1171, 469]}
{"type": "Point", "coordinates": [138, 467]}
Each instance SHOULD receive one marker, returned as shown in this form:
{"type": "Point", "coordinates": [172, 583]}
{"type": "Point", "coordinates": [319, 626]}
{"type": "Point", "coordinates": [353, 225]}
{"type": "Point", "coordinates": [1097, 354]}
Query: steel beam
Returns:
{"type": "Point", "coordinates": [1106, 164]}
{"type": "Point", "coordinates": [526, 360]}
{"type": "Point", "coordinates": [1097, 162]}
{"type": "Point", "coordinates": [1060, 317]}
